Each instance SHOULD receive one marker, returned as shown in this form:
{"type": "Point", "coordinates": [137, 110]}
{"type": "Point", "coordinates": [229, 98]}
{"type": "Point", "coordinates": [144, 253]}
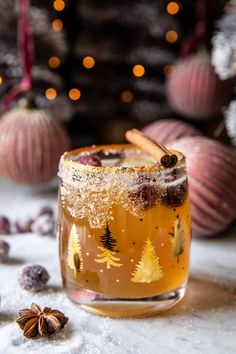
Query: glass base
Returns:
{"type": "Point", "coordinates": [117, 307]}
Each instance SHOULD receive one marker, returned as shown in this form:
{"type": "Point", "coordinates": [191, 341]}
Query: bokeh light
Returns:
{"type": "Point", "coordinates": [74, 94]}
{"type": "Point", "coordinates": [1, 80]}
{"type": "Point", "coordinates": [171, 36]}
{"type": "Point", "coordinates": [54, 62]}
{"type": "Point", "coordinates": [127, 96]}
{"type": "Point", "coordinates": [138, 70]}
{"type": "Point", "coordinates": [51, 93]}
{"type": "Point", "coordinates": [88, 62]}
{"type": "Point", "coordinates": [59, 5]}
{"type": "Point", "coordinates": [57, 25]}
{"type": "Point", "coordinates": [172, 8]}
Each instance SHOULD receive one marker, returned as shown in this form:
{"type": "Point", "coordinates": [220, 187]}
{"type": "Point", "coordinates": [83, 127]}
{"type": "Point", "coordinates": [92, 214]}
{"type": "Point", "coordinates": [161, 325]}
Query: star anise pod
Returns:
{"type": "Point", "coordinates": [36, 322]}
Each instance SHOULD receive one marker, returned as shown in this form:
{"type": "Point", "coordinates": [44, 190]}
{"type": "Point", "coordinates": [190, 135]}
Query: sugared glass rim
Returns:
{"type": "Point", "coordinates": [65, 160]}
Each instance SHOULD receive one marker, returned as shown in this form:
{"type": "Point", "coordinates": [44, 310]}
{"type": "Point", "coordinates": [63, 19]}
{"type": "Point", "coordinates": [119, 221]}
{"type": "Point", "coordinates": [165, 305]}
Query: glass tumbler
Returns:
{"type": "Point", "coordinates": [124, 231]}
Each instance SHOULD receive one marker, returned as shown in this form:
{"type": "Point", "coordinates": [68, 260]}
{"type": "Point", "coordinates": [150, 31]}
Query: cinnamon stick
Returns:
{"type": "Point", "coordinates": [158, 151]}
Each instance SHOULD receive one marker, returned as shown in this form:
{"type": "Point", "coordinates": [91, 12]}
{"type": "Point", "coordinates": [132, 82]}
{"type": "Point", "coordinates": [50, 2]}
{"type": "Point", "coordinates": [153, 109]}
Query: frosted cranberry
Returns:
{"type": "Point", "coordinates": [92, 160]}
{"type": "Point", "coordinates": [24, 225]}
{"type": "Point", "coordinates": [44, 225]}
{"type": "Point", "coordinates": [45, 210]}
{"type": "Point", "coordinates": [5, 227]}
{"type": "Point", "coordinates": [144, 192]}
{"type": "Point", "coordinates": [33, 277]}
{"type": "Point", "coordinates": [4, 249]}
{"type": "Point", "coordinates": [176, 195]}
{"type": "Point", "coordinates": [176, 191]}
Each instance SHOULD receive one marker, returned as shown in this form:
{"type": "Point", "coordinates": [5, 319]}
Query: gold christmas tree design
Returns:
{"type": "Point", "coordinates": [148, 269]}
{"type": "Point", "coordinates": [74, 255]}
{"type": "Point", "coordinates": [108, 252]}
{"type": "Point", "coordinates": [177, 240]}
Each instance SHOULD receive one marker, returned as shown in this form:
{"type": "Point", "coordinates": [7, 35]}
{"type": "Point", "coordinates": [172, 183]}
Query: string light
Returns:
{"type": "Point", "coordinates": [88, 62]}
{"type": "Point", "coordinates": [168, 70]}
{"type": "Point", "coordinates": [57, 25]}
{"type": "Point", "coordinates": [1, 80]}
{"type": "Point", "coordinates": [171, 36]}
{"type": "Point", "coordinates": [127, 96]}
{"type": "Point", "coordinates": [138, 70]}
{"type": "Point", "coordinates": [54, 62]}
{"type": "Point", "coordinates": [172, 8]}
{"type": "Point", "coordinates": [51, 93]}
{"type": "Point", "coordinates": [74, 94]}
{"type": "Point", "coordinates": [59, 5]}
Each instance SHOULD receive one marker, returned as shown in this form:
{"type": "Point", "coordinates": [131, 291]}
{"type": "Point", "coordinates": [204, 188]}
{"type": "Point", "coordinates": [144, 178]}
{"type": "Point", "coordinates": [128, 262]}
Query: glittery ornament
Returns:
{"type": "Point", "coordinates": [31, 143]}
{"type": "Point", "coordinates": [211, 169]}
{"type": "Point", "coordinates": [195, 90]}
{"type": "Point", "coordinates": [167, 130]}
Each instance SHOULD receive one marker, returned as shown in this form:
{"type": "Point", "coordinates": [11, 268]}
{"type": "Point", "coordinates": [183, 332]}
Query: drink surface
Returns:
{"type": "Point", "coordinates": [124, 232]}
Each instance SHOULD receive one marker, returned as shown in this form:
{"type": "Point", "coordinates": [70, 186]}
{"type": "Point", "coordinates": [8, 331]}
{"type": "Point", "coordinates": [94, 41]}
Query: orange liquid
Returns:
{"type": "Point", "coordinates": [150, 255]}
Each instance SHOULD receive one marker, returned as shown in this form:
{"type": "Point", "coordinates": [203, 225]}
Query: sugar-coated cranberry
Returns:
{"type": "Point", "coordinates": [46, 209]}
{"type": "Point", "coordinates": [5, 227]}
{"type": "Point", "coordinates": [176, 191]}
{"type": "Point", "coordinates": [24, 225]}
{"type": "Point", "coordinates": [44, 225]}
{"type": "Point", "coordinates": [144, 192]}
{"type": "Point", "coordinates": [176, 195]}
{"type": "Point", "coordinates": [4, 249]}
{"type": "Point", "coordinates": [92, 160]}
{"type": "Point", "coordinates": [33, 277]}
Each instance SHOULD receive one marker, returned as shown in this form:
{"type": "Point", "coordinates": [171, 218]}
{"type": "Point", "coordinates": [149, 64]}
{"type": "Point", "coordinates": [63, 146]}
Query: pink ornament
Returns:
{"type": "Point", "coordinates": [195, 90]}
{"type": "Point", "coordinates": [167, 130]}
{"type": "Point", "coordinates": [31, 143]}
{"type": "Point", "coordinates": [211, 168]}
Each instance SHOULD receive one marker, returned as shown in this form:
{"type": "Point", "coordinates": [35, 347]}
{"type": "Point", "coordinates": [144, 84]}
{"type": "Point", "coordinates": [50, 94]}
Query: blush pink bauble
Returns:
{"type": "Point", "coordinates": [195, 91]}
{"type": "Point", "coordinates": [211, 169]}
{"type": "Point", "coordinates": [31, 143]}
{"type": "Point", "coordinates": [167, 130]}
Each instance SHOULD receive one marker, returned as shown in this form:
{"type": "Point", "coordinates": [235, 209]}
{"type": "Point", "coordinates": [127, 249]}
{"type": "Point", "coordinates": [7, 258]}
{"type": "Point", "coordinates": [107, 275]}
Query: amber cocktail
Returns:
{"type": "Point", "coordinates": [124, 230]}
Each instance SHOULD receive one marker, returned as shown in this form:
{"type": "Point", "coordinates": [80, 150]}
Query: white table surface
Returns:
{"type": "Point", "coordinates": [204, 322]}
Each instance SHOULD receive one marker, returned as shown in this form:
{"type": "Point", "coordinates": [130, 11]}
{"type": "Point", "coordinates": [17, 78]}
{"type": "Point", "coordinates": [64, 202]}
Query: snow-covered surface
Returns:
{"type": "Point", "coordinates": [204, 322]}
